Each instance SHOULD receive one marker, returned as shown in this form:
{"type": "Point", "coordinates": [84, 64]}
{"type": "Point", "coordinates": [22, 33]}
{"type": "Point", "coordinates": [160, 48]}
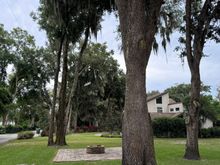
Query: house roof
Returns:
{"type": "Point", "coordinates": [155, 96]}
{"type": "Point", "coordinates": [155, 115]}
{"type": "Point", "coordinates": [171, 101]}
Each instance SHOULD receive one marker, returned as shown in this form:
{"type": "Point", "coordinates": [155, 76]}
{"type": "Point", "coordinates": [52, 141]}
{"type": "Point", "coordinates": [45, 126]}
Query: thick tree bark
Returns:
{"type": "Point", "coordinates": [60, 133]}
{"type": "Point", "coordinates": [138, 21]}
{"type": "Point", "coordinates": [76, 77]}
{"type": "Point", "coordinates": [52, 115]}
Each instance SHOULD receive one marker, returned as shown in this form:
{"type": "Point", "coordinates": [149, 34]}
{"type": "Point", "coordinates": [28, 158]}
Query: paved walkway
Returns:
{"type": "Point", "coordinates": [7, 137]}
{"type": "Point", "coordinates": [69, 155]}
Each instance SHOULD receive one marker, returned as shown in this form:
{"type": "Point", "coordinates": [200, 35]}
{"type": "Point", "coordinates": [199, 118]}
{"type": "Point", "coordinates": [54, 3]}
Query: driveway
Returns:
{"type": "Point", "coordinates": [6, 137]}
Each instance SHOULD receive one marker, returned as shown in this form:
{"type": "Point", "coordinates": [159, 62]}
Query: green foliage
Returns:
{"type": "Point", "coordinates": [100, 90]}
{"type": "Point", "coordinates": [25, 135]}
{"type": "Point", "coordinates": [13, 129]}
{"type": "Point", "coordinates": [23, 94]}
{"type": "Point", "coordinates": [5, 101]}
{"type": "Point", "coordinates": [209, 106]}
{"type": "Point", "coordinates": [169, 127]}
{"type": "Point", "coordinates": [6, 57]}
{"type": "Point", "coordinates": [2, 130]}
{"type": "Point", "coordinates": [210, 132]}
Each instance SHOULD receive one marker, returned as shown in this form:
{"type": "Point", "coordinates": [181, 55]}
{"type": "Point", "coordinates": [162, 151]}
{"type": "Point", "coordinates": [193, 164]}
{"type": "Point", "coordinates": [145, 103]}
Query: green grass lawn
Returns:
{"type": "Point", "coordinates": [168, 151]}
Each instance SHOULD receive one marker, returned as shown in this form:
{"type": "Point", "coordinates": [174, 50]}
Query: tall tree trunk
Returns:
{"type": "Point", "coordinates": [32, 121]}
{"type": "Point", "coordinates": [138, 21]}
{"type": "Point", "coordinates": [52, 115]}
{"type": "Point", "coordinates": [4, 119]}
{"type": "Point", "coordinates": [76, 77]}
{"type": "Point", "coordinates": [194, 55]}
{"type": "Point", "coordinates": [69, 120]}
{"type": "Point", "coordinates": [75, 120]}
{"type": "Point", "coordinates": [192, 125]}
{"type": "Point", "coordinates": [60, 133]}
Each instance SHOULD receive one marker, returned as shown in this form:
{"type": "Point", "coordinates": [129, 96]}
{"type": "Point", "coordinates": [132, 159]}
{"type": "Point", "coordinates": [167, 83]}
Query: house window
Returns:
{"type": "Point", "coordinates": [171, 109]}
{"type": "Point", "coordinates": [177, 109]}
{"type": "Point", "coordinates": [159, 109]}
{"type": "Point", "coordinates": [159, 100]}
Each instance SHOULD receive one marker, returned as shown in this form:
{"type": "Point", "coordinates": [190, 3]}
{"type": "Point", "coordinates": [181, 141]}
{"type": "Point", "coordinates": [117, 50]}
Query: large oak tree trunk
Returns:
{"type": "Point", "coordinates": [52, 114]}
{"type": "Point", "coordinates": [138, 146]}
{"type": "Point", "coordinates": [60, 133]}
{"type": "Point", "coordinates": [138, 21]}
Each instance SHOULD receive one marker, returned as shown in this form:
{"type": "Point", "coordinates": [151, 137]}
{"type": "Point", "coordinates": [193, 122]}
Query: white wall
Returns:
{"type": "Point", "coordinates": [152, 105]}
{"type": "Point", "coordinates": [207, 124]}
{"type": "Point", "coordinates": [174, 106]}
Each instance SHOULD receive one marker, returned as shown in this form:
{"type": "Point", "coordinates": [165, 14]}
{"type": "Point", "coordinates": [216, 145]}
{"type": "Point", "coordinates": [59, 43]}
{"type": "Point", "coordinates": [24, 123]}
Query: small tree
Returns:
{"type": "Point", "coordinates": [202, 20]}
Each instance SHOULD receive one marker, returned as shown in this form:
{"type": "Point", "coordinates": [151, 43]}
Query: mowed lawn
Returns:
{"type": "Point", "coordinates": [168, 151]}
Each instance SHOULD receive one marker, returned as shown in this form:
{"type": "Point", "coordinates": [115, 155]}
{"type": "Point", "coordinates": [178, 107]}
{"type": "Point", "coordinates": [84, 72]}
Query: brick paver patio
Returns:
{"type": "Point", "coordinates": [69, 155]}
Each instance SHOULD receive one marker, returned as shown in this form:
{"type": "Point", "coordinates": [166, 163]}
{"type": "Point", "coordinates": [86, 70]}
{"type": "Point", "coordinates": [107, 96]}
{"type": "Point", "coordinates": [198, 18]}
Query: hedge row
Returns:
{"type": "Point", "coordinates": [14, 129]}
{"type": "Point", "coordinates": [169, 127]}
{"type": "Point", "coordinates": [210, 132]}
{"type": "Point", "coordinates": [175, 128]}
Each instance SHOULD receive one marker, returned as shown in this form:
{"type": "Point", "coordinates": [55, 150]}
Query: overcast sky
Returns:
{"type": "Point", "coordinates": [164, 69]}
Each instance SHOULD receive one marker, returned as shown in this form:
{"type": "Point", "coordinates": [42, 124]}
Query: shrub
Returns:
{"type": "Point", "coordinates": [25, 135]}
{"type": "Point", "coordinates": [13, 129]}
{"type": "Point", "coordinates": [169, 127]}
{"type": "Point", "coordinates": [45, 132]}
{"type": "Point", "coordinates": [210, 132]}
{"type": "Point", "coordinates": [2, 130]}
{"type": "Point", "coordinates": [217, 123]}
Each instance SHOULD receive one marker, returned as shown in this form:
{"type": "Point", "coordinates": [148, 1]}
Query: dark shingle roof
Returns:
{"type": "Point", "coordinates": [155, 96]}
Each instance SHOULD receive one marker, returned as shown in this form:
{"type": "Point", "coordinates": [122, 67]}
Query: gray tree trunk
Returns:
{"type": "Point", "coordinates": [52, 114]}
{"type": "Point", "coordinates": [192, 146]}
{"type": "Point", "coordinates": [195, 41]}
{"type": "Point", "coordinates": [4, 119]}
{"type": "Point", "coordinates": [75, 116]}
{"type": "Point", "coordinates": [76, 77]}
{"type": "Point", "coordinates": [60, 133]}
{"type": "Point", "coordinates": [138, 21]}
{"type": "Point", "coordinates": [69, 122]}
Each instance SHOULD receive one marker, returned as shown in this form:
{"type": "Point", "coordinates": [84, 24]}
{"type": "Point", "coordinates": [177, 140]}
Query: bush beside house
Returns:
{"type": "Point", "coordinates": [210, 132]}
{"type": "Point", "coordinates": [169, 127]}
{"type": "Point", "coordinates": [175, 128]}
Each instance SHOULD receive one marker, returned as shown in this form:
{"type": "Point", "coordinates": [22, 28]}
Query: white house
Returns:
{"type": "Point", "coordinates": [160, 105]}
